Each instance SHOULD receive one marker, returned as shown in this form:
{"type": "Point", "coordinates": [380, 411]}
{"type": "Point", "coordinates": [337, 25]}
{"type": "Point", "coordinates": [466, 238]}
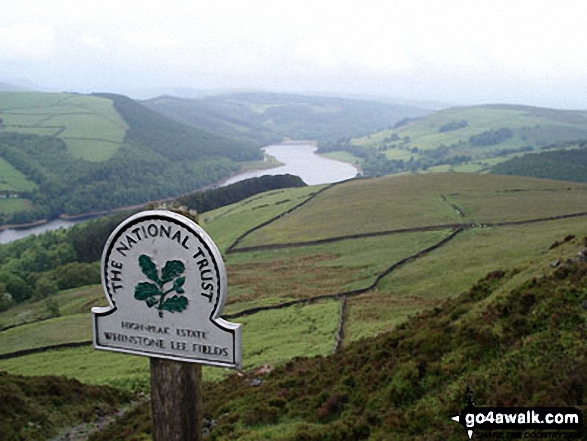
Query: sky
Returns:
{"type": "Point", "coordinates": [454, 52]}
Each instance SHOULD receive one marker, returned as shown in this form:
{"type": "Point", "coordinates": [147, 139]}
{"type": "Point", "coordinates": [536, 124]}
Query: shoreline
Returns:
{"type": "Point", "coordinates": [25, 226]}
{"type": "Point", "coordinates": [271, 161]}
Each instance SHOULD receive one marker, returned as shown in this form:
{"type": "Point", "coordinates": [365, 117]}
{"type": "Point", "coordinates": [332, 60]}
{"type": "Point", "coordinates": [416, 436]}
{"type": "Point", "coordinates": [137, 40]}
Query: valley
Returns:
{"type": "Point", "coordinates": [368, 274]}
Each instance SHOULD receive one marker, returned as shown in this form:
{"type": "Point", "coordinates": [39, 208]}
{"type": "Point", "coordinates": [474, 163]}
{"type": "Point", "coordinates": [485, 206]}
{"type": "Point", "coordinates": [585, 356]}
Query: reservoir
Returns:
{"type": "Point", "coordinates": [298, 158]}
{"type": "Point", "coordinates": [11, 235]}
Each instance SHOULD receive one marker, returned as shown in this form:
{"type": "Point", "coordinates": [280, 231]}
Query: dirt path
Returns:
{"type": "Point", "coordinates": [81, 432]}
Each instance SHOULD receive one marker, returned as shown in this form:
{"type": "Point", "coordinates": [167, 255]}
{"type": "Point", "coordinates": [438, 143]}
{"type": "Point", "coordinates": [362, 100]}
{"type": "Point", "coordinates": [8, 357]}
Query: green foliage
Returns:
{"type": "Point", "coordinates": [453, 125]}
{"type": "Point", "coordinates": [33, 260]}
{"type": "Point", "coordinates": [6, 300]}
{"type": "Point", "coordinates": [491, 137]}
{"type": "Point", "coordinates": [405, 384]}
{"type": "Point", "coordinates": [53, 308]}
{"type": "Point", "coordinates": [375, 163]}
{"type": "Point", "coordinates": [512, 337]}
{"type": "Point", "coordinates": [568, 165]}
{"type": "Point", "coordinates": [88, 238]}
{"type": "Point", "coordinates": [68, 258]}
{"type": "Point", "coordinates": [89, 126]}
{"type": "Point", "coordinates": [68, 185]}
{"type": "Point", "coordinates": [75, 274]}
{"type": "Point", "coordinates": [45, 287]}
{"type": "Point", "coordinates": [159, 157]}
{"type": "Point", "coordinates": [220, 197]}
{"type": "Point", "coordinates": [16, 287]}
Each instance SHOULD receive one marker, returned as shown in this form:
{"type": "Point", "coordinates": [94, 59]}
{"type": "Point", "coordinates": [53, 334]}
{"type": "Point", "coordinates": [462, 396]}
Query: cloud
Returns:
{"type": "Point", "coordinates": [30, 41]}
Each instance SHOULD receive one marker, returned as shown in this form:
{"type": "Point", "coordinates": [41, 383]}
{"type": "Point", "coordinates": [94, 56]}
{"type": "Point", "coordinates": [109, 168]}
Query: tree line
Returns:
{"type": "Point", "coordinates": [567, 165]}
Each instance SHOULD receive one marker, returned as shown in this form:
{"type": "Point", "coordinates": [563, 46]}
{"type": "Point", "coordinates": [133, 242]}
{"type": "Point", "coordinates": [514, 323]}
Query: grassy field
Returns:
{"type": "Point", "coordinates": [90, 126]}
{"type": "Point", "coordinates": [225, 224]}
{"type": "Point", "coordinates": [268, 277]}
{"type": "Point", "coordinates": [270, 337]}
{"type": "Point", "coordinates": [409, 201]}
{"type": "Point", "coordinates": [474, 253]}
{"type": "Point", "coordinates": [272, 276]}
{"type": "Point", "coordinates": [71, 302]}
{"type": "Point", "coordinates": [13, 205]}
{"type": "Point", "coordinates": [67, 329]}
{"type": "Point", "coordinates": [13, 180]}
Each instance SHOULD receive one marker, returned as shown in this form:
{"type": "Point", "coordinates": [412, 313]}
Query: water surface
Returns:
{"type": "Point", "coordinates": [301, 160]}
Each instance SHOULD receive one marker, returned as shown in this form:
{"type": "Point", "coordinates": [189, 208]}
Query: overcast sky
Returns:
{"type": "Point", "coordinates": [527, 52]}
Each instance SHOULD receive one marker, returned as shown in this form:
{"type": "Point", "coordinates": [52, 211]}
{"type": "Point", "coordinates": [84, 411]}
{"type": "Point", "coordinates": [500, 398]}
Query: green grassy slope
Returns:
{"type": "Point", "coordinates": [13, 181]}
{"type": "Point", "coordinates": [268, 117]}
{"type": "Point", "coordinates": [515, 343]}
{"type": "Point", "coordinates": [415, 201]}
{"type": "Point", "coordinates": [269, 337]}
{"type": "Point", "coordinates": [177, 141]}
{"type": "Point", "coordinates": [465, 138]}
{"type": "Point", "coordinates": [396, 275]}
{"type": "Point", "coordinates": [531, 125]}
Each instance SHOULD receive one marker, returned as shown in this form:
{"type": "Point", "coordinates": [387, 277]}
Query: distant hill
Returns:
{"type": "Point", "coordinates": [176, 141]}
{"type": "Point", "coordinates": [269, 117]}
{"type": "Point", "coordinates": [71, 154]}
{"type": "Point", "coordinates": [470, 139]}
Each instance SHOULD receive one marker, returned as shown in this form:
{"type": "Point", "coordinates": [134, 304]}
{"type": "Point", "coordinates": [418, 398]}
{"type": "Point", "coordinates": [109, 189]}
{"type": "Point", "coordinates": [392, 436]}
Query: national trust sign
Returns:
{"type": "Point", "coordinates": [165, 283]}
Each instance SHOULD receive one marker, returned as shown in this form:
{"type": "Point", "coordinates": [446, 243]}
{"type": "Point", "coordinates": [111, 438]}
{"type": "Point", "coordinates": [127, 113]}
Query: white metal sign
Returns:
{"type": "Point", "coordinates": [165, 283]}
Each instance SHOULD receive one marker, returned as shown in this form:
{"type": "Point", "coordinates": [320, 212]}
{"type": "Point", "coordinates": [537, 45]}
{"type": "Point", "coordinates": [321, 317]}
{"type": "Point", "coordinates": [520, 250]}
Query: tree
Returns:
{"type": "Point", "coordinates": [45, 287]}
{"type": "Point", "coordinates": [6, 300]}
{"type": "Point", "coordinates": [16, 287]}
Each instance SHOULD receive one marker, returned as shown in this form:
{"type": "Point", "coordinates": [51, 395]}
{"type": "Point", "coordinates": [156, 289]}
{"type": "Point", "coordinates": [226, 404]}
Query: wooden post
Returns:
{"type": "Point", "coordinates": [176, 400]}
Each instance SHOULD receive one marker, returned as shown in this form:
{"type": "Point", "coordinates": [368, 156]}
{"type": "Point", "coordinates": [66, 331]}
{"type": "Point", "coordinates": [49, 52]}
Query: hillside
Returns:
{"type": "Point", "coordinates": [514, 343]}
{"type": "Point", "coordinates": [293, 257]}
{"type": "Point", "coordinates": [470, 139]}
{"type": "Point", "coordinates": [37, 408]}
{"type": "Point", "coordinates": [72, 154]}
{"type": "Point", "coordinates": [269, 117]}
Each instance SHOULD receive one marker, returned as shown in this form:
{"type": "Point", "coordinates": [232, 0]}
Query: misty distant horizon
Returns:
{"type": "Point", "coordinates": [446, 53]}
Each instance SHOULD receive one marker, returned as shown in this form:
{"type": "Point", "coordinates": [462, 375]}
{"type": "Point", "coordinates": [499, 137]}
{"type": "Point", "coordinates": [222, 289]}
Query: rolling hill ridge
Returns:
{"type": "Point", "coordinates": [72, 154]}
{"type": "Point", "coordinates": [467, 139]}
{"type": "Point", "coordinates": [271, 117]}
